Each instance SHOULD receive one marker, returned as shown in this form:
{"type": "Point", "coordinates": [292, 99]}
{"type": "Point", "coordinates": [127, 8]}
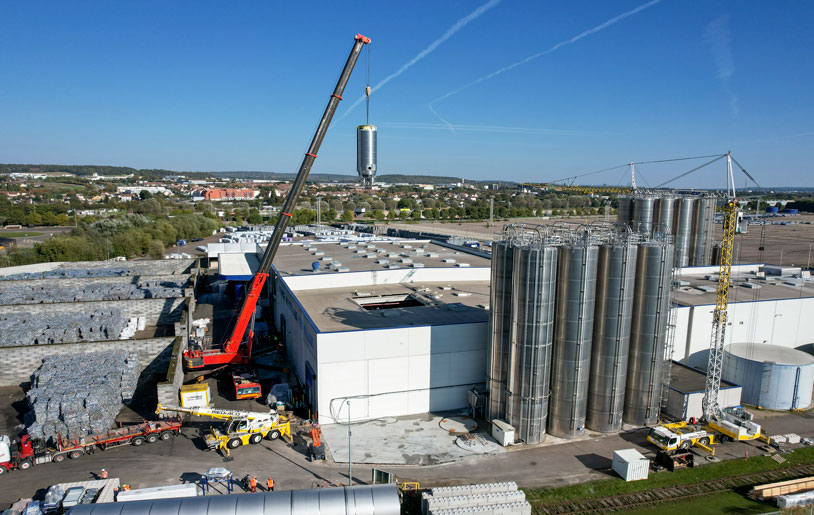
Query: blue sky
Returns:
{"type": "Point", "coordinates": [211, 86]}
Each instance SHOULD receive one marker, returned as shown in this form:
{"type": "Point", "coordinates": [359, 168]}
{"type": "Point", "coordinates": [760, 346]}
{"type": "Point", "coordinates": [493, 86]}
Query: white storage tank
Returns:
{"type": "Point", "coordinates": [772, 377]}
{"type": "Point", "coordinates": [630, 464]}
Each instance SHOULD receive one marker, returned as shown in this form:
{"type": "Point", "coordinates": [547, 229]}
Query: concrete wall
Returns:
{"type": "Point", "coordinates": [399, 371]}
{"type": "Point", "coordinates": [18, 363]}
{"type": "Point", "coordinates": [168, 390]}
{"type": "Point", "coordinates": [156, 311]}
{"type": "Point", "coordinates": [786, 322]}
{"type": "Point", "coordinates": [300, 334]}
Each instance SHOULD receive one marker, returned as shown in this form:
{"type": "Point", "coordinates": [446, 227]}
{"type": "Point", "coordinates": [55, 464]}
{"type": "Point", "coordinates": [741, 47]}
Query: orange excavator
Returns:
{"type": "Point", "coordinates": [237, 348]}
{"type": "Point", "coordinates": [316, 450]}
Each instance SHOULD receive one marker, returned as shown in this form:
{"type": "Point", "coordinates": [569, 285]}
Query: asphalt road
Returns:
{"type": "Point", "coordinates": [182, 460]}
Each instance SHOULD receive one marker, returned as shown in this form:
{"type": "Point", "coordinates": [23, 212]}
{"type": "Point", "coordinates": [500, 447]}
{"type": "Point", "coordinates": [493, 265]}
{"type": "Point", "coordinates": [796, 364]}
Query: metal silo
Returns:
{"type": "Point", "coordinates": [529, 370]}
{"type": "Point", "coordinates": [624, 213]}
{"type": "Point", "coordinates": [615, 277]}
{"type": "Point", "coordinates": [366, 153]}
{"type": "Point", "coordinates": [682, 230]}
{"type": "Point", "coordinates": [573, 333]}
{"type": "Point", "coordinates": [500, 327]}
{"type": "Point", "coordinates": [643, 210]}
{"type": "Point", "coordinates": [701, 240]}
{"type": "Point", "coordinates": [664, 214]}
{"type": "Point", "coordinates": [648, 333]}
{"type": "Point", "coordinates": [772, 377]}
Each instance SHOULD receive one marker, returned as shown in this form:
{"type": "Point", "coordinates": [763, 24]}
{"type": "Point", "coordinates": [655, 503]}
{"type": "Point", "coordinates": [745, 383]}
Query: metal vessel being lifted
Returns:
{"type": "Point", "coordinates": [366, 136]}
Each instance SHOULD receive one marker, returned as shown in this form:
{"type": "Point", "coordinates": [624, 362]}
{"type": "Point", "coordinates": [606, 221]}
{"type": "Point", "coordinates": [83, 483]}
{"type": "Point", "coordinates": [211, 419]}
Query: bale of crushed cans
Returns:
{"type": "Point", "coordinates": [22, 329]}
{"type": "Point", "coordinates": [76, 395]}
{"type": "Point", "coordinates": [12, 293]}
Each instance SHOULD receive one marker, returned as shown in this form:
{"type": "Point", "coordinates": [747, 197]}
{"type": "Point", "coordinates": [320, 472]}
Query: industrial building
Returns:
{"type": "Point", "coordinates": [390, 327]}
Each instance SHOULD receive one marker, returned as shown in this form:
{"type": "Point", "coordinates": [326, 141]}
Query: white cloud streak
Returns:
{"type": "Point", "coordinates": [594, 30]}
{"type": "Point", "coordinates": [463, 22]}
{"type": "Point", "coordinates": [718, 38]}
{"type": "Point", "coordinates": [487, 128]}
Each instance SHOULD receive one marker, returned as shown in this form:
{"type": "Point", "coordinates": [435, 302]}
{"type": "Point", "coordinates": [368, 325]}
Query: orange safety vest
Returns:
{"type": "Point", "coordinates": [253, 482]}
{"type": "Point", "coordinates": [270, 483]}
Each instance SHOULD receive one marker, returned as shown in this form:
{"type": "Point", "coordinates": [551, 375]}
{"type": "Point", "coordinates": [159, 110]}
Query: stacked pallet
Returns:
{"type": "Point", "coordinates": [80, 394]}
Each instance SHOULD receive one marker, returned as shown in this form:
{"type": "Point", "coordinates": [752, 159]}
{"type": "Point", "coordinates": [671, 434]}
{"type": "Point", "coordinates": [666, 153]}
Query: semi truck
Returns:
{"type": "Point", "coordinates": [26, 452]}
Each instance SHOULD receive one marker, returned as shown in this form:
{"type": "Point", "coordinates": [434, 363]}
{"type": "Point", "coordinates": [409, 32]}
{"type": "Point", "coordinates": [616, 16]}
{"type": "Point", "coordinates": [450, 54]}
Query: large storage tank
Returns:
{"type": "Point", "coordinates": [648, 333]}
{"type": "Point", "coordinates": [573, 332]}
{"type": "Point", "coordinates": [500, 327]}
{"type": "Point", "coordinates": [643, 211]}
{"type": "Point", "coordinates": [772, 377]}
{"type": "Point", "coordinates": [682, 230]}
{"type": "Point", "coordinates": [616, 272]}
{"type": "Point", "coordinates": [664, 215]}
{"type": "Point", "coordinates": [366, 153]}
{"type": "Point", "coordinates": [624, 213]}
{"type": "Point", "coordinates": [702, 237]}
{"type": "Point", "coordinates": [529, 370]}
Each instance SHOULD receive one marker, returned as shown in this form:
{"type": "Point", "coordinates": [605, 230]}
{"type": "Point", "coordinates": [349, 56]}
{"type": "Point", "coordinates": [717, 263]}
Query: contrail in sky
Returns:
{"type": "Point", "coordinates": [424, 53]}
{"type": "Point", "coordinates": [487, 128]}
{"type": "Point", "coordinates": [556, 47]}
{"type": "Point", "coordinates": [718, 38]}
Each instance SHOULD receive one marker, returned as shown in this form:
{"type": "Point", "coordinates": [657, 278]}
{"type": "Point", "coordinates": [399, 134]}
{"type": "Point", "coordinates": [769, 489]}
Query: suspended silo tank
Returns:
{"type": "Point", "coordinates": [624, 213]}
{"type": "Point", "coordinates": [366, 153]}
{"type": "Point", "coordinates": [643, 211]}
{"type": "Point", "coordinates": [663, 217]}
{"type": "Point", "coordinates": [772, 377]}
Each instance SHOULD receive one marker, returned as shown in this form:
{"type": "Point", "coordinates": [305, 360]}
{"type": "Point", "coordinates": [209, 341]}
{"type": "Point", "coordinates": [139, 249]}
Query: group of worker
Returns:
{"type": "Point", "coordinates": [253, 484]}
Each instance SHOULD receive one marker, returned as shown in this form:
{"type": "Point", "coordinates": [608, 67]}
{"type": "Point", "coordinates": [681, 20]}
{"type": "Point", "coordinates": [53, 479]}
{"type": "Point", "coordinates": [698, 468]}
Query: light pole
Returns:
{"type": "Point", "coordinates": [350, 464]}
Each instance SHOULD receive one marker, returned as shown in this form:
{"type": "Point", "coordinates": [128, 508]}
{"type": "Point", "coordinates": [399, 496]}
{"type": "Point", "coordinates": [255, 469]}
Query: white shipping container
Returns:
{"type": "Point", "coordinates": [630, 464]}
{"type": "Point", "coordinates": [502, 432]}
{"type": "Point", "coordinates": [159, 492]}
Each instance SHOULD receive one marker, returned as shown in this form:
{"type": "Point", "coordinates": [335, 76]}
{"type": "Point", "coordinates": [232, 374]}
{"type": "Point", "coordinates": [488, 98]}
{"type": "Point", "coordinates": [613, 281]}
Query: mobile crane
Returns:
{"type": "Point", "coordinates": [241, 428]}
{"type": "Point", "coordinates": [233, 351]}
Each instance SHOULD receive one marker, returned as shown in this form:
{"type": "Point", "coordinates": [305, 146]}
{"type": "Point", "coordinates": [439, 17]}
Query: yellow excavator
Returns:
{"type": "Point", "coordinates": [240, 428]}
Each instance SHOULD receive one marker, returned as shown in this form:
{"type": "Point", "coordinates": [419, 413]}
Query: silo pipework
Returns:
{"type": "Point", "coordinates": [366, 136]}
{"type": "Point", "coordinates": [500, 327]}
{"type": "Point", "coordinates": [648, 333]}
{"type": "Point", "coordinates": [683, 230]}
{"type": "Point", "coordinates": [573, 333]}
{"type": "Point", "coordinates": [615, 276]}
{"type": "Point", "coordinates": [535, 269]}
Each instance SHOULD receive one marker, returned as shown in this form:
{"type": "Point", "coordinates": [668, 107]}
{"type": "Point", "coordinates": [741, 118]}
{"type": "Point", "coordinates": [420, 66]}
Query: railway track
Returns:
{"type": "Point", "coordinates": [655, 496]}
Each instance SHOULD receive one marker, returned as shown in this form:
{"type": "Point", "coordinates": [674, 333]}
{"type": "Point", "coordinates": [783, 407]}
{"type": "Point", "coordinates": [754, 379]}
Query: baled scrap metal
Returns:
{"type": "Point", "coordinates": [21, 329]}
{"type": "Point", "coordinates": [15, 293]}
{"type": "Point", "coordinates": [80, 394]}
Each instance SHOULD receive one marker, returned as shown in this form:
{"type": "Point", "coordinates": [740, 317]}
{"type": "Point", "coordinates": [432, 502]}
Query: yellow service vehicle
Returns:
{"type": "Point", "coordinates": [680, 435]}
{"type": "Point", "coordinates": [241, 428]}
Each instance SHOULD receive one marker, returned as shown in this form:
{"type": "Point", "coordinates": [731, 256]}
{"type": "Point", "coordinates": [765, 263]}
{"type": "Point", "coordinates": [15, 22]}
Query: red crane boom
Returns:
{"type": "Point", "coordinates": [231, 351]}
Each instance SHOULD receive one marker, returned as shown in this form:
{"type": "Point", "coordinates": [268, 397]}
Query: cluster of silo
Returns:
{"type": "Point", "coordinates": [578, 320]}
{"type": "Point", "coordinates": [688, 218]}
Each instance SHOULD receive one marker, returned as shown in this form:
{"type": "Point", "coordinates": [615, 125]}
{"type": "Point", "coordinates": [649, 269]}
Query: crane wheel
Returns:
{"type": "Point", "coordinates": [234, 443]}
{"type": "Point", "coordinates": [58, 458]}
{"type": "Point", "coordinates": [273, 434]}
{"type": "Point", "coordinates": [684, 446]}
{"type": "Point", "coordinates": [166, 435]}
{"type": "Point", "coordinates": [76, 453]}
{"type": "Point", "coordinates": [2, 470]}
{"type": "Point", "coordinates": [139, 440]}
{"type": "Point", "coordinates": [152, 438]}
{"type": "Point", "coordinates": [704, 441]}
{"type": "Point", "coordinates": [25, 464]}
{"type": "Point", "coordinates": [255, 438]}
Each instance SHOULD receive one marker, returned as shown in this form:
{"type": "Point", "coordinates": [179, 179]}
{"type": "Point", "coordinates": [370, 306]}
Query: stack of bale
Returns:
{"type": "Point", "coordinates": [70, 273]}
{"type": "Point", "coordinates": [80, 394]}
{"type": "Point", "coordinates": [21, 329]}
{"type": "Point", "coordinates": [14, 293]}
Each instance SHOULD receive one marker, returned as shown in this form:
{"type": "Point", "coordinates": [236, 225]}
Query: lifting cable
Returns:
{"type": "Point", "coordinates": [367, 90]}
{"type": "Point", "coordinates": [693, 170]}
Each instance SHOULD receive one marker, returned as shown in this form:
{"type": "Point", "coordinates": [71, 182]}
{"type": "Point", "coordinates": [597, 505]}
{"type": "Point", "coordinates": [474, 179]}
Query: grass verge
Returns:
{"type": "Point", "coordinates": [608, 487]}
{"type": "Point", "coordinates": [20, 234]}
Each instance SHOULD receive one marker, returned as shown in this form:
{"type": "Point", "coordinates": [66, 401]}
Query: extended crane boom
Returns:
{"type": "Point", "coordinates": [231, 352]}
{"type": "Point", "coordinates": [221, 414]}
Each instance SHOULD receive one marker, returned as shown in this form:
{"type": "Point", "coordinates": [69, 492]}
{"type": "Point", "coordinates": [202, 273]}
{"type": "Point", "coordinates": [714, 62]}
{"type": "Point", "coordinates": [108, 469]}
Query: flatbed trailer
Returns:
{"type": "Point", "coordinates": [27, 452]}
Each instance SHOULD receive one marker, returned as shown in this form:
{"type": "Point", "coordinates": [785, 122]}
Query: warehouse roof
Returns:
{"type": "Point", "coordinates": [237, 267]}
{"type": "Point", "coordinates": [699, 290]}
{"type": "Point", "coordinates": [396, 305]}
{"type": "Point", "coordinates": [296, 258]}
{"type": "Point", "coordinates": [689, 380]}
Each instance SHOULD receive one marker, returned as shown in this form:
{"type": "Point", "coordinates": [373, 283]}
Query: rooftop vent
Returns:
{"type": "Point", "coordinates": [378, 302]}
